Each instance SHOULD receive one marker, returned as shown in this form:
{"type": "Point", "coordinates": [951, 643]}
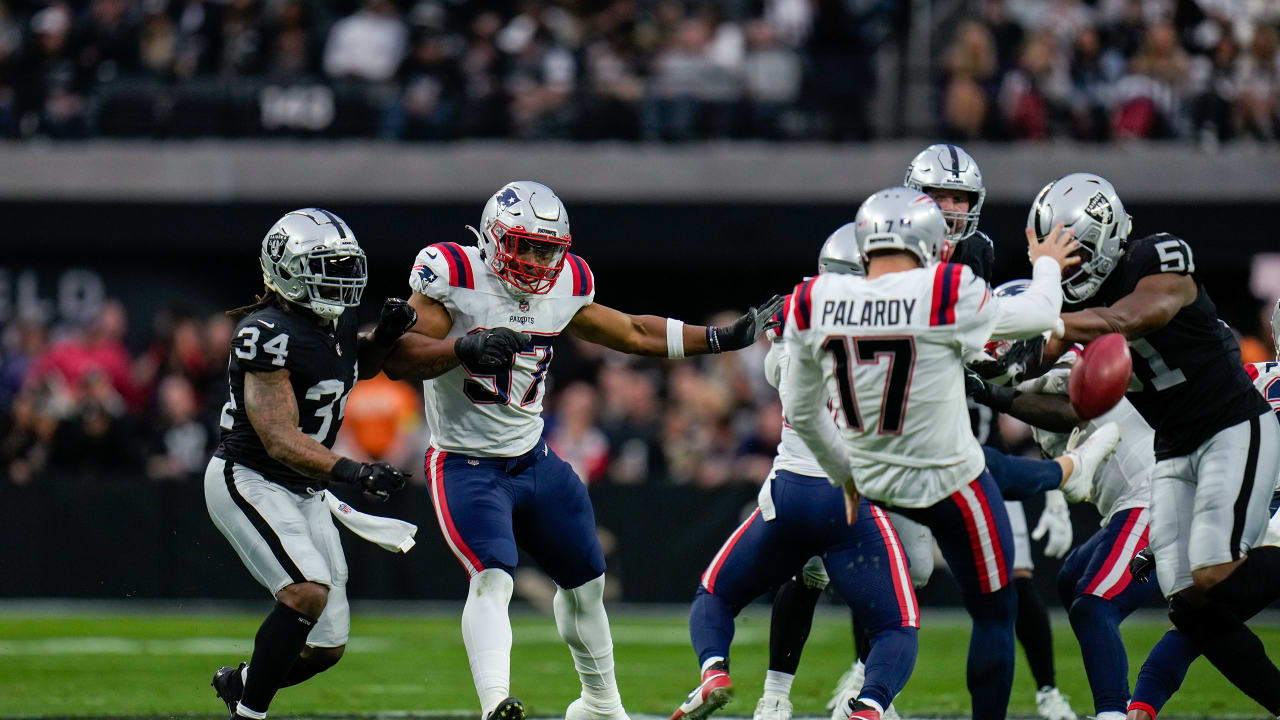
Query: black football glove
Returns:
{"type": "Point", "coordinates": [744, 331]}
{"type": "Point", "coordinates": [491, 349]}
{"type": "Point", "coordinates": [396, 319]}
{"type": "Point", "coordinates": [377, 480]}
{"type": "Point", "coordinates": [1143, 564]}
{"type": "Point", "coordinates": [996, 397]}
{"type": "Point", "coordinates": [1011, 368]}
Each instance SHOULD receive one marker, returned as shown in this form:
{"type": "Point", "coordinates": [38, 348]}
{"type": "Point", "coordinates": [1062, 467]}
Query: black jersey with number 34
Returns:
{"type": "Point", "coordinates": [321, 360]}
{"type": "Point", "coordinates": [1193, 382]}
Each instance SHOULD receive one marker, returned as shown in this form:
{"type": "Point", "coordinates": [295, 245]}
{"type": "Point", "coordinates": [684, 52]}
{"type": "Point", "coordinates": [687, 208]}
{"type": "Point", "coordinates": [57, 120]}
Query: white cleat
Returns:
{"type": "Point", "coordinates": [579, 710]}
{"type": "Point", "coordinates": [1087, 458]}
{"type": "Point", "coordinates": [1108, 715]}
{"type": "Point", "coordinates": [772, 708]}
{"type": "Point", "coordinates": [847, 688]}
{"type": "Point", "coordinates": [1052, 704]}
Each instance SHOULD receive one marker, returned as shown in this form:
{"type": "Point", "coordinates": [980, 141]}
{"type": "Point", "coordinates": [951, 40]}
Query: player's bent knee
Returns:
{"type": "Point", "coordinates": [323, 658]}
{"type": "Point", "coordinates": [490, 584]}
{"type": "Point", "coordinates": [308, 598]}
{"type": "Point", "coordinates": [1206, 577]}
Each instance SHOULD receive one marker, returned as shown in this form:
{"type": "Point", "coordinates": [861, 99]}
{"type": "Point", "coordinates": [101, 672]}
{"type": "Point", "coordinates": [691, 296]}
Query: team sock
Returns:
{"type": "Point", "coordinates": [1163, 672]}
{"type": "Point", "coordinates": [778, 684]}
{"type": "Point", "coordinates": [991, 651]}
{"type": "Point", "coordinates": [1233, 649]}
{"type": "Point", "coordinates": [280, 638]}
{"type": "Point", "coordinates": [1096, 623]}
{"type": "Point", "coordinates": [304, 669]}
{"type": "Point", "coordinates": [1021, 478]}
{"type": "Point", "coordinates": [1035, 633]}
{"type": "Point", "coordinates": [889, 664]}
{"type": "Point", "coordinates": [584, 626]}
{"type": "Point", "coordinates": [710, 627]}
{"type": "Point", "coordinates": [789, 625]}
{"type": "Point", "coordinates": [486, 632]}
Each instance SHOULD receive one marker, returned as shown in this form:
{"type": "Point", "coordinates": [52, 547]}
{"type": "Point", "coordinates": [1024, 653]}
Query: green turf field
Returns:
{"type": "Point", "coordinates": [160, 664]}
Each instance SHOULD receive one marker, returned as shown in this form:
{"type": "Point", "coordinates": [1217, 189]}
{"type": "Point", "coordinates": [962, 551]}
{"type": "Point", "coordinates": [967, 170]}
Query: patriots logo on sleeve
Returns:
{"type": "Point", "coordinates": [425, 273]}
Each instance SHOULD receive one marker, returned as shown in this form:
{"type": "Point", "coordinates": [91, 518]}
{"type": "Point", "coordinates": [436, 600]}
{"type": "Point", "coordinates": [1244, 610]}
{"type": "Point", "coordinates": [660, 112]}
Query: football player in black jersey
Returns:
{"type": "Point", "coordinates": [294, 358]}
{"type": "Point", "coordinates": [1217, 445]}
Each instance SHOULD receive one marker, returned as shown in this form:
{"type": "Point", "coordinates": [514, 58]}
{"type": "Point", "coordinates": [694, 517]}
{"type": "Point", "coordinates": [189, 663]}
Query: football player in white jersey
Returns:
{"type": "Point", "coordinates": [801, 516]}
{"type": "Point", "coordinates": [488, 315]}
{"type": "Point", "coordinates": [890, 349]}
{"type": "Point", "coordinates": [1094, 583]}
{"type": "Point", "coordinates": [1266, 375]}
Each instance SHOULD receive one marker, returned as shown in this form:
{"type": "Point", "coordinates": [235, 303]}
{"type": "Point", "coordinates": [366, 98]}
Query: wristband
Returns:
{"type": "Point", "coordinates": [675, 339]}
{"type": "Point", "coordinates": [713, 340]}
{"type": "Point", "coordinates": [346, 471]}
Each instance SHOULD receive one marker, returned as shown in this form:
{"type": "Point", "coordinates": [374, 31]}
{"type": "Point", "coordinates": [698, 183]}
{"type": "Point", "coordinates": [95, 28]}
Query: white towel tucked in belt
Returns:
{"type": "Point", "coordinates": [388, 533]}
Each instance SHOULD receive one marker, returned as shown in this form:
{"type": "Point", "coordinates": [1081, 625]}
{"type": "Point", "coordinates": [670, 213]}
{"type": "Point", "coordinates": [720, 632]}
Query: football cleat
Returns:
{"type": "Point", "coordinates": [859, 710]}
{"type": "Point", "coordinates": [228, 683]}
{"type": "Point", "coordinates": [772, 708]}
{"type": "Point", "coordinates": [714, 693]}
{"type": "Point", "coordinates": [1052, 704]}
{"type": "Point", "coordinates": [509, 709]}
{"type": "Point", "coordinates": [846, 691]}
{"type": "Point", "coordinates": [1087, 458]}
{"type": "Point", "coordinates": [579, 710]}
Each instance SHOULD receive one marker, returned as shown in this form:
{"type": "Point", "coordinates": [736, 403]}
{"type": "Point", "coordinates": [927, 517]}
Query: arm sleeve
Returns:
{"type": "Point", "coordinates": [1035, 310]}
{"type": "Point", "coordinates": [775, 363]}
{"type": "Point", "coordinates": [803, 394]}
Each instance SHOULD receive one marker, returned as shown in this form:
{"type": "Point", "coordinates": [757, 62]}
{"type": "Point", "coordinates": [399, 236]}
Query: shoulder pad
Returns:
{"type": "Point", "coordinates": [442, 264]}
{"type": "Point", "coordinates": [261, 340]}
{"type": "Point", "coordinates": [802, 303]}
{"type": "Point", "coordinates": [583, 281]}
{"type": "Point", "coordinates": [947, 279]}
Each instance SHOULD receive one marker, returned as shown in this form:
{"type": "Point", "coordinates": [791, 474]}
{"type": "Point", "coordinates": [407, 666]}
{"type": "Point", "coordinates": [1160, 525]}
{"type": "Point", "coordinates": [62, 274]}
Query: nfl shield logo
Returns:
{"type": "Point", "coordinates": [524, 306]}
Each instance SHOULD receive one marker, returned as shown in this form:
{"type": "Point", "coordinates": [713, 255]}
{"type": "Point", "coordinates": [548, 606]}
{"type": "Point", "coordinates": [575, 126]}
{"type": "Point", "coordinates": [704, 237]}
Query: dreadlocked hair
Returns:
{"type": "Point", "coordinates": [268, 298]}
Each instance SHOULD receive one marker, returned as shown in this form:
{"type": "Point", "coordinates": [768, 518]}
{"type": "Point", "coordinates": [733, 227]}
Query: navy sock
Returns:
{"type": "Point", "coordinates": [275, 649]}
{"type": "Point", "coordinates": [1034, 632]}
{"type": "Point", "coordinates": [1096, 623]}
{"type": "Point", "coordinates": [1162, 672]}
{"type": "Point", "coordinates": [1234, 650]}
{"type": "Point", "coordinates": [1020, 478]}
{"type": "Point", "coordinates": [789, 625]}
{"type": "Point", "coordinates": [711, 626]}
{"type": "Point", "coordinates": [890, 661]}
{"type": "Point", "coordinates": [991, 651]}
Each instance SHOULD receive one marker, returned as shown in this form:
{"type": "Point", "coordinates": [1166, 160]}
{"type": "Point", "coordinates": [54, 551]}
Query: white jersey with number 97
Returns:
{"type": "Point", "coordinates": [476, 412]}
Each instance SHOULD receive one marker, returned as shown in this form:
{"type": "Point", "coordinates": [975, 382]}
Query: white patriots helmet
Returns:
{"type": "Point", "coordinates": [840, 254]}
{"type": "Point", "coordinates": [524, 236]}
{"type": "Point", "coordinates": [949, 166]}
{"type": "Point", "coordinates": [1089, 206]}
{"type": "Point", "coordinates": [902, 219]}
{"type": "Point", "coordinates": [310, 257]}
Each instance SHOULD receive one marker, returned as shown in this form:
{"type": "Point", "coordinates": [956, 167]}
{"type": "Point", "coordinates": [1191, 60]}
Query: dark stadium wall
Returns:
{"type": "Point", "coordinates": [686, 260]}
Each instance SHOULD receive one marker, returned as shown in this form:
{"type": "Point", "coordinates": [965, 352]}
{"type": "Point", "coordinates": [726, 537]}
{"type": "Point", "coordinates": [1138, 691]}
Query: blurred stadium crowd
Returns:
{"type": "Point", "coordinates": [77, 400]}
{"type": "Point", "coordinates": [1200, 70]}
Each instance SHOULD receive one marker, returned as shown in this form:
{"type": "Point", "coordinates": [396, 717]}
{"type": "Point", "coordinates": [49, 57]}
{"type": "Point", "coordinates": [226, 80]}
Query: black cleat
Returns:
{"type": "Point", "coordinates": [229, 686]}
{"type": "Point", "coordinates": [509, 709]}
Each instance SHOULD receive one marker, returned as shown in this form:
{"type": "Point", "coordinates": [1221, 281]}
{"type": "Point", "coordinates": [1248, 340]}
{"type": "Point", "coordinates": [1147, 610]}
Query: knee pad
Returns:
{"type": "Point", "coordinates": [814, 575]}
{"type": "Point", "coordinates": [491, 585]}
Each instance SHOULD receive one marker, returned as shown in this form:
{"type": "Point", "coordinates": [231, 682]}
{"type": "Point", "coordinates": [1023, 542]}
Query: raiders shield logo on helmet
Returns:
{"type": "Point", "coordinates": [1099, 208]}
{"type": "Point", "coordinates": [275, 245]}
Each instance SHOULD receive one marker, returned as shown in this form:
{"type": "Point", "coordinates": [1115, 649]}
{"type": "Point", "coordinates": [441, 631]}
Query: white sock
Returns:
{"type": "Point", "coordinates": [711, 661]}
{"type": "Point", "coordinates": [244, 675]}
{"type": "Point", "coordinates": [582, 622]}
{"type": "Point", "coordinates": [1110, 715]}
{"type": "Point", "coordinates": [778, 684]}
{"type": "Point", "coordinates": [254, 714]}
{"type": "Point", "coordinates": [872, 703]}
{"type": "Point", "coordinates": [486, 631]}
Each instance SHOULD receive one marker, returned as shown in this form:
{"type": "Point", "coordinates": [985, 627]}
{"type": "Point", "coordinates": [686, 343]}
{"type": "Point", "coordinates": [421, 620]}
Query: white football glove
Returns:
{"type": "Point", "coordinates": [1056, 522]}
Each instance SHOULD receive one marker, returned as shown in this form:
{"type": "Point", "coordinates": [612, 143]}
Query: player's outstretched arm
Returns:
{"type": "Point", "coordinates": [1152, 304]}
{"type": "Point", "coordinates": [667, 337]}
{"type": "Point", "coordinates": [273, 411]}
{"type": "Point", "coordinates": [1048, 411]}
{"type": "Point", "coordinates": [422, 353]}
{"type": "Point", "coordinates": [374, 346]}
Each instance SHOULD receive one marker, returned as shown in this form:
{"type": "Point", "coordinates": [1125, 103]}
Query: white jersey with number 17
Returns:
{"type": "Point", "coordinates": [890, 352]}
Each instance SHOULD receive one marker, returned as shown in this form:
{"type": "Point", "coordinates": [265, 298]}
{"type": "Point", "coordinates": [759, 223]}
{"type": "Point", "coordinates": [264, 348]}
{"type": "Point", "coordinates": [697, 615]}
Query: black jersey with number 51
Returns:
{"type": "Point", "coordinates": [321, 360]}
{"type": "Point", "coordinates": [1193, 381]}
